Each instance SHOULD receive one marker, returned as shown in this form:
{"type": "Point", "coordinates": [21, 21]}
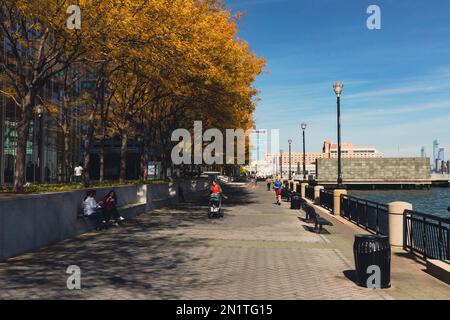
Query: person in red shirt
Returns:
{"type": "Point", "coordinates": [215, 188]}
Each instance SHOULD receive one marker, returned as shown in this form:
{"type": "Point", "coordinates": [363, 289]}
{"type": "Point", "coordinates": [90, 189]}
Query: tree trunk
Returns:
{"type": "Point", "coordinates": [143, 173]}
{"type": "Point", "coordinates": [87, 146]}
{"type": "Point", "coordinates": [23, 128]}
{"type": "Point", "coordinates": [123, 157]}
{"type": "Point", "coordinates": [102, 158]}
{"type": "Point", "coordinates": [66, 135]}
{"type": "Point", "coordinates": [66, 153]}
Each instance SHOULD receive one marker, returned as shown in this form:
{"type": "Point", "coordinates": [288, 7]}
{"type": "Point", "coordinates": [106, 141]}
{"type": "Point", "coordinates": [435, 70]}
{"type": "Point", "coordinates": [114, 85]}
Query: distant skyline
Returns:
{"type": "Point", "coordinates": [397, 79]}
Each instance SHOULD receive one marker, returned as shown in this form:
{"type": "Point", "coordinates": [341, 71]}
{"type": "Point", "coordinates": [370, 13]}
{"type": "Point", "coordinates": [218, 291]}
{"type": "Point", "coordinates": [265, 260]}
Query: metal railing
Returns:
{"type": "Point", "coordinates": [371, 215]}
{"type": "Point", "coordinates": [426, 235]}
{"type": "Point", "coordinates": [327, 199]}
{"type": "Point", "coordinates": [309, 193]}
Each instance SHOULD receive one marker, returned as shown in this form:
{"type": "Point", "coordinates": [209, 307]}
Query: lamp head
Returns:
{"type": "Point", "coordinates": [338, 87]}
{"type": "Point", "coordinates": [303, 126]}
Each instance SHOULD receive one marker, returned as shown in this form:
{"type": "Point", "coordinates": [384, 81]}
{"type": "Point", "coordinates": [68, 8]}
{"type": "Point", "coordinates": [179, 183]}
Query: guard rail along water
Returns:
{"type": "Point", "coordinates": [426, 235]}
{"type": "Point", "coordinates": [371, 215]}
{"type": "Point", "coordinates": [309, 192]}
{"type": "Point", "coordinates": [326, 199]}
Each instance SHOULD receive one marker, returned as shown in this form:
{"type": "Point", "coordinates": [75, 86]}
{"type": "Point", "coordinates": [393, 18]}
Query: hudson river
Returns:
{"type": "Point", "coordinates": [434, 201]}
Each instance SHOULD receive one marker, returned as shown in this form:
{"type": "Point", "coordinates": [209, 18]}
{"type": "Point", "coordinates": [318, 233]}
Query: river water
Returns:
{"type": "Point", "coordinates": [434, 201]}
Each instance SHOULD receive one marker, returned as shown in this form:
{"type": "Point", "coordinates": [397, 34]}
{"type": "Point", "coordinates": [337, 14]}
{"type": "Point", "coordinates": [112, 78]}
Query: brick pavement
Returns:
{"type": "Point", "coordinates": [258, 251]}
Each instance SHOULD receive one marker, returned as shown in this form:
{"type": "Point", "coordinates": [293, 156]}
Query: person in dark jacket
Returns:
{"type": "Point", "coordinates": [109, 204]}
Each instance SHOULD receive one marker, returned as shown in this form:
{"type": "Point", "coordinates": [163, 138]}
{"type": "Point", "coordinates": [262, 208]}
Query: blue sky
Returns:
{"type": "Point", "coordinates": [397, 79]}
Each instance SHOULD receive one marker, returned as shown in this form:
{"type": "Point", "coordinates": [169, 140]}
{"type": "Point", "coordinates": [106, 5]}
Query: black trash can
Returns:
{"type": "Point", "coordinates": [372, 251]}
{"type": "Point", "coordinates": [295, 201]}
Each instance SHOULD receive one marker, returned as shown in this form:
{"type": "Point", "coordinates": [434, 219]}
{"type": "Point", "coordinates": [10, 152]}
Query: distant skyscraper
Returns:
{"type": "Point", "coordinates": [441, 154]}
{"type": "Point", "coordinates": [423, 153]}
{"type": "Point", "coordinates": [435, 153]}
{"type": "Point", "coordinates": [258, 144]}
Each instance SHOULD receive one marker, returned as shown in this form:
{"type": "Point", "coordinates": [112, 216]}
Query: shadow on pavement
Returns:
{"type": "Point", "coordinates": [133, 258]}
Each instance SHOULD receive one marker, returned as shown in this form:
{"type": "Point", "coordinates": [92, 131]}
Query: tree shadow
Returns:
{"type": "Point", "coordinates": [143, 258]}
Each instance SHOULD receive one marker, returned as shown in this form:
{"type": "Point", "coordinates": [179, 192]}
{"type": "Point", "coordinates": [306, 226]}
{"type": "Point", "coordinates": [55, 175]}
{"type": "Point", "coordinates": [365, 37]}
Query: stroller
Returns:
{"type": "Point", "coordinates": [215, 206]}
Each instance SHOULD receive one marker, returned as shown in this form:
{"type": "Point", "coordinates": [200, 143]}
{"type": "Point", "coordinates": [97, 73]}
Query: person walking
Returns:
{"type": "Point", "coordinates": [278, 185]}
{"type": "Point", "coordinates": [78, 173]}
{"type": "Point", "coordinates": [269, 183]}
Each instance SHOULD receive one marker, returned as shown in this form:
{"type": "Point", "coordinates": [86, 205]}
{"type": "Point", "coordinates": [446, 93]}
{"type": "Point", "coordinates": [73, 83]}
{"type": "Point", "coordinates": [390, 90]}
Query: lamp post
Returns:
{"type": "Point", "coordinates": [303, 126]}
{"type": "Point", "coordinates": [281, 164]}
{"type": "Point", "coordinates": [40, 112]}
{"type": "Point", "coordinates": [338, 87]}
{"type": "Point", "coordinates": [290, 170]}
{"type": "Point", "coordinates": [257, 150]}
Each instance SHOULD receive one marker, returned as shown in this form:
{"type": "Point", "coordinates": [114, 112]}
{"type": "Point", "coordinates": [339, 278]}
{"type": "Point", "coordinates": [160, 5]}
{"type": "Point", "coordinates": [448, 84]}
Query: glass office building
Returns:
{"type": "Point", "coordinates": [49, 138]}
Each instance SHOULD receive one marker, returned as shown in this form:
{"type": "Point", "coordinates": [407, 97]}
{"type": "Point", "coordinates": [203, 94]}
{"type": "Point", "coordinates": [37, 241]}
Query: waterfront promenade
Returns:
{"type": "Point", "coordinates": [258, 251]}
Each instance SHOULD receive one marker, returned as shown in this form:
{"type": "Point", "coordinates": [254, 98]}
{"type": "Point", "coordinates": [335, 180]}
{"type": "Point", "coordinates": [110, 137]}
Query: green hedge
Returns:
{"type": "Point", "coordinates": [39, 188]}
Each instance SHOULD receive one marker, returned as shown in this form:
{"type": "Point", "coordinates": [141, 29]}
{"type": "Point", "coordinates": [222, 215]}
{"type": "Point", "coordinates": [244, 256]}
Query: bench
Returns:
{"type": "Point", "coordinates": [286, 194]}
{"type": "Point", "coordinates": [313, 216]}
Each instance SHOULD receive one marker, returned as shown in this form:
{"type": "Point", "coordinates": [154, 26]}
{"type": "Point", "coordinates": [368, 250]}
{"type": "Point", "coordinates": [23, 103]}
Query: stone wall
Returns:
{"type": "Point", "coordinates": [388, 170]}
{"type": "Point", "coordinates": [30, 222]}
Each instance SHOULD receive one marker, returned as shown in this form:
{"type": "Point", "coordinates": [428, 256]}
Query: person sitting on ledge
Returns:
{"type": "Point", "coordinates": [93, 211]}
{"type": "Point", "coordinates": [109, 205]}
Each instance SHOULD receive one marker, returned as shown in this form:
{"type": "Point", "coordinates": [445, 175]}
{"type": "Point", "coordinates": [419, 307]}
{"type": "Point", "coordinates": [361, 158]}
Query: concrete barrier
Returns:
{"type": "Point", "coordinates": [317, 193]}
{"type": "Point", "coordinates": [396, 210]}
{"type": "Point", "coordinates": [30, 222]}
{"type": "Point", "coordinates": [303, 186]}
{"type": "Point", "coordinates": [337, 200]}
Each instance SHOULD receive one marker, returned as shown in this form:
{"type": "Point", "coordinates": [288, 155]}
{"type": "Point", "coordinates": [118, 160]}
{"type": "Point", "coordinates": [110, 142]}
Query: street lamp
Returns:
{"type": "Point", "coordinates": [257, 149]}
{"type": "Point", "coordinates": [338, 87]}
{"type": "Point", "coordinates": [281, 164]}
{"type": "Point", "coordinates": [40, 112]}
{"type": "Point", "coordinates": [290, 170]}
{"type": "Point", "coordinates": [303, 126]}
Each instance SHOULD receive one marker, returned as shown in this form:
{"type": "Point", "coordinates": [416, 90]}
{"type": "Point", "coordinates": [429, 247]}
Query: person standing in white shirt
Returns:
{"type": "Point", "coordinates": [78, 173]}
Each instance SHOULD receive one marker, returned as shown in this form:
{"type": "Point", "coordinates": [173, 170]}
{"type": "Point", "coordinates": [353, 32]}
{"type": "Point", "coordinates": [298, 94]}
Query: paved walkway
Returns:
{"type": "Point", "coordinates": [258, 251]}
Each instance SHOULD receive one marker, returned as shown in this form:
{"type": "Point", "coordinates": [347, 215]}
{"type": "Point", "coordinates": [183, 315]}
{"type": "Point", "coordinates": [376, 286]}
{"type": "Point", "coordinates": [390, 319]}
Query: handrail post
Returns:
{"type": "Point", "coordinates": [424, 238]}
{"type": "Point", "coordinates": [377, 220]}
{"type": "Point", "coordinates": [441, 246]}
{"type": "Point", "coordinates": [405, 230]}
{"type": "Point", "coordinates": [448, 243]}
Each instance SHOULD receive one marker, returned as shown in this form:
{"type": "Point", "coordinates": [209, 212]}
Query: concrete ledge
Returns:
{"type": "Point", "coordinates": [439, 269]}
{"type": "Point", "coordinates": [30, 222]}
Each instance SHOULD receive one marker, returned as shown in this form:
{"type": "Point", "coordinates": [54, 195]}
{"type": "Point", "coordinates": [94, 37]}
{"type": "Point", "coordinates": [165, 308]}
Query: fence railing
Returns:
{"type": "Point", "coordinates": [371, 215]}
{"type": "Point", "coordinates": [426, 235]}
{"type": "Point", "coordinates": [327, 199]}
{"type": "Point", "coordinates": [309, 193]}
